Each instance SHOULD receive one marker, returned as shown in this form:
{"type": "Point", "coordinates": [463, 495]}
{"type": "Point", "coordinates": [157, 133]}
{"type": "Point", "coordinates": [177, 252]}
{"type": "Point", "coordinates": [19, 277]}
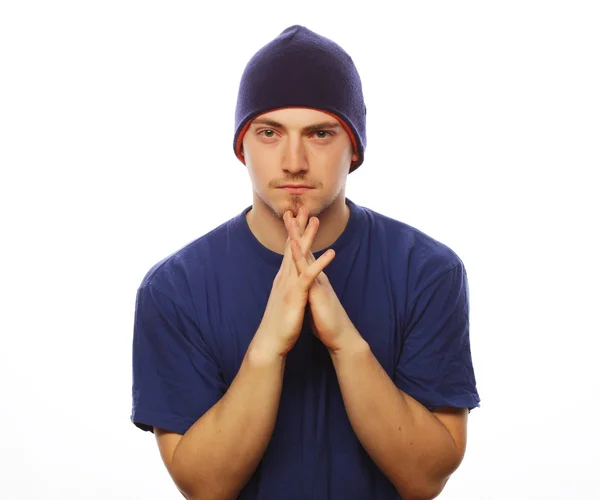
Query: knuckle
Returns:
{"type": "Point", "coordinates": [306, 278]}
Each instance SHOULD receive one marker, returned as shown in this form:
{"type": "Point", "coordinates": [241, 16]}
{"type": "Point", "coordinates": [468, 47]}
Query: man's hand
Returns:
{"type": "Point", "coordinates": [283, 317]}
{"type": "Point", "coordinates": [329, 320]}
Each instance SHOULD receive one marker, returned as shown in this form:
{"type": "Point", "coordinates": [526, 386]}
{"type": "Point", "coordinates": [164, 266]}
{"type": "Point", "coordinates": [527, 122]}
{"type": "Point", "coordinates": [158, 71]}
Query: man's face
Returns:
{"type": "Point", "coordinates": [297, 146]}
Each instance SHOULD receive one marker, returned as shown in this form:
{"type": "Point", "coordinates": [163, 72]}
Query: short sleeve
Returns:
{"type": "Point", "coordinates": [435, 365]}
{"type": "Point", "coordinates": [176, 379]}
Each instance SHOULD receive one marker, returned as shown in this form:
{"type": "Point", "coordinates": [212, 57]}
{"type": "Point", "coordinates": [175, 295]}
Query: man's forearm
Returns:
{"type": "Point", "coordinates": [217, 456]}
{"type": "Point", "coordinates": [408, 444]}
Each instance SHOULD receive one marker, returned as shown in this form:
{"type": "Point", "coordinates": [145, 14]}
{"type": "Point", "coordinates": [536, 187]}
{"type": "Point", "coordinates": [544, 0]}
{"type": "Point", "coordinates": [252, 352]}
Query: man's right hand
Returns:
{"type": "Point", "coordinates": [218, 454]}
{"type": "Point", "coordinates": [282, 321]}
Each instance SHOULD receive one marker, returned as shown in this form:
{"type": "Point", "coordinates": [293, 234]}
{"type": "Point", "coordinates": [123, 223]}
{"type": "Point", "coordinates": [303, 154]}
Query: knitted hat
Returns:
{"type": "Point", "coordinates": [300, 68]}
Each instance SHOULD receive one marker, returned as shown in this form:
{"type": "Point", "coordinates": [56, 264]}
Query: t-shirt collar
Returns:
{"type": "Point", "coordinates": [342, 245]}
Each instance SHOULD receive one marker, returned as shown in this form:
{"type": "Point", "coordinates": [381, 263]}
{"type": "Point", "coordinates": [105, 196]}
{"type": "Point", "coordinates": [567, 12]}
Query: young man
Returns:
{"type": "Point", "coordinates": [265, 377]}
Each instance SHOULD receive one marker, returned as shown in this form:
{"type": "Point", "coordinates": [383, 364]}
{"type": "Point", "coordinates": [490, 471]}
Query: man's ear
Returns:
{"type": "Point", "coordinates": [354, 157]}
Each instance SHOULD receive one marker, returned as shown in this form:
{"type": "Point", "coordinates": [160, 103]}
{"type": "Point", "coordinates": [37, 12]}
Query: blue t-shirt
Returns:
{"type": "Point", "coordinates": [197, 311]}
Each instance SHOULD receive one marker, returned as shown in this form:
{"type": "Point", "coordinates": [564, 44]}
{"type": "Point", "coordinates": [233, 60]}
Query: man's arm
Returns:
{"type": "Point", "coordinates": [218, 454]}
{"type": "Point", "coordinates": [415, 448]}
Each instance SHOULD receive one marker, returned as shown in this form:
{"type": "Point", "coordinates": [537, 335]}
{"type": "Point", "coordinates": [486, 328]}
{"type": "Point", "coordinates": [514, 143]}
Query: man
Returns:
{"type": "Point", "coordinates": [265, 377]}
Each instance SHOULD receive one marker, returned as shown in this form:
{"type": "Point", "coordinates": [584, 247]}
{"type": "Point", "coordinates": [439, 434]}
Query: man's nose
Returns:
{"type": "Point", "coordinates": [295, 158]}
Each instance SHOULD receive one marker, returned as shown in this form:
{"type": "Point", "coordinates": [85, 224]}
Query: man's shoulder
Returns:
{"type": "Point", "coordinates": [190, 260]}
{"type": "Point", "coordinates": [403, 239]}
{"type": "Point", "coordinates": [414, 258]}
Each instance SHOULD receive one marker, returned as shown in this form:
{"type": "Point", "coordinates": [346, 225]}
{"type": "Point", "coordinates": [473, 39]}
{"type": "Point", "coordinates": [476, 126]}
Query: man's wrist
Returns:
{"type": "Point", "coordinates": [263, 351]}
{"type": "Point", "coordinates": [351, 343]}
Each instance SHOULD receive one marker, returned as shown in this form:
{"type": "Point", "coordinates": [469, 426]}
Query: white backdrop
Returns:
{"type": "Point", "coordinates": [116, 124]}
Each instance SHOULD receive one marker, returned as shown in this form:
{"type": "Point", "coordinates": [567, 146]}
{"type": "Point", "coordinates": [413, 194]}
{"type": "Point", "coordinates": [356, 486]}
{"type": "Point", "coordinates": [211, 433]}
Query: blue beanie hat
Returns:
{"type": "Point", "coordinates": [300, 68]}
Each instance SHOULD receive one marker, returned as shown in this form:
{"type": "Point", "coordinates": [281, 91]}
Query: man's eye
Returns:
{"type": "Point", "coordinates": [323, 134]}
{"type": "Point", "coordinates": [268, 133]}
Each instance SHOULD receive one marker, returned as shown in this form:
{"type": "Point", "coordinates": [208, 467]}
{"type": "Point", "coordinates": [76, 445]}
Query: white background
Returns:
{"type": "Point", "coordinates": [116, 126]}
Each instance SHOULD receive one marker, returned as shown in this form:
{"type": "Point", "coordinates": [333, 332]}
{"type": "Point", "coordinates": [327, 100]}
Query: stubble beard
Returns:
{"type": "Point", "coordinates": [297, 201]}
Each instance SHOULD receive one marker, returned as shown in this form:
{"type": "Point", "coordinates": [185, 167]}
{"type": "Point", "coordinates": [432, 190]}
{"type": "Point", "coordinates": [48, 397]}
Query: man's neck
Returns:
{"type": "Point", "coordinates": [270, 231]}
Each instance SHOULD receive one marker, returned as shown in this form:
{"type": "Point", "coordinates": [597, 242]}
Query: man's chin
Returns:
{"type": "Point", "coordinates": [280, 205]}
{"type": "Point", "coordinates": [294, 203]}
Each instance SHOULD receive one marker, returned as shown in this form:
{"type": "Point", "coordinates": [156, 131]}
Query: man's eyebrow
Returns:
{"type": "Point", "coordinates": [321, 126]}
{"type": "Point", "coordinates": [270, 123]}
{"type": "Point", "coordinates": [310, 128]}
